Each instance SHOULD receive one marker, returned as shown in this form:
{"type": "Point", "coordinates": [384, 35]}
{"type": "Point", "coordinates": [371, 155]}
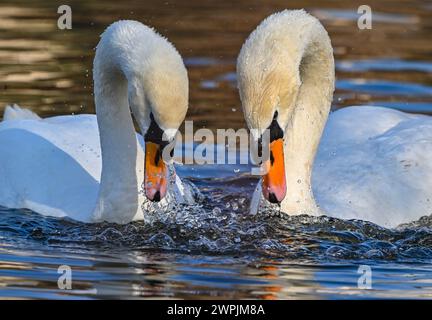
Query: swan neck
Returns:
{"type": "Point", "coordinates": [302, 135]}
{"type": "Point", "coordinates": [118, 194]}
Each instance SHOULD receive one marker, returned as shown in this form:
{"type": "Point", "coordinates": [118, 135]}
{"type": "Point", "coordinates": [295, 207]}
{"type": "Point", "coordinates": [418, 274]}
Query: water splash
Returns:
{"type": "Point", "coordinates": [219, 224]}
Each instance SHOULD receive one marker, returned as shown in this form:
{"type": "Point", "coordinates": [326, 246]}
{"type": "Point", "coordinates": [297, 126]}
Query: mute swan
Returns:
{"type": "Point", "coordinates": [372, 164]}
{"type": "Point", "coordinates": [91, 168]}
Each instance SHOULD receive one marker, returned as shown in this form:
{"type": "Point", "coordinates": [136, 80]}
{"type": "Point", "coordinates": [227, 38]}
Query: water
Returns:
{"type": "Point", "coordinates": [215, 249]}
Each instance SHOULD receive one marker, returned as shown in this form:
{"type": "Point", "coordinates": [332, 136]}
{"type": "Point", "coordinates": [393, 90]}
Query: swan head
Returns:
{"type": "Point", "coordinates": [269, 82]}
{"type": "Point", "coordinates": [267, 109]}
{"type": "Point", "coordinates": [158, 92]}
{"type": "Point", "coordinates": [165, 97]}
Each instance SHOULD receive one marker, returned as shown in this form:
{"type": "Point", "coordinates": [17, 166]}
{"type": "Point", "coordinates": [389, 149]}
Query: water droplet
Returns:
{"type": "Point", "coordinates": [234, 206]}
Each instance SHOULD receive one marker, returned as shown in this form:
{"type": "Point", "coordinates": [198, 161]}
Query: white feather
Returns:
{"type": "Point", "coordinates": [15, 112]}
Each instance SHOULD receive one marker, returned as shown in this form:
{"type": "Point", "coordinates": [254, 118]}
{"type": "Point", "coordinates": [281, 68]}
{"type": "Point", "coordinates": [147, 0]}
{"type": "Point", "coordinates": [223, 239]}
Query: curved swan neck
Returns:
{"type": "Point", "coordinates": [315, 66]}
{"type": "Point", "coordinates": [112, 72]}
{"type": "Point", "coordinates": [135, 69]}
{"type": "Point", "coordinates": [118, 185]}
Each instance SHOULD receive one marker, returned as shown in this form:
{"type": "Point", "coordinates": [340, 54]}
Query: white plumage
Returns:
{"type": "Point", "coordinates": [92, 168]}
{"type": "Point", "coordinates": [372, 163]}
{"type": "Point", "coordinates": [375, 164]}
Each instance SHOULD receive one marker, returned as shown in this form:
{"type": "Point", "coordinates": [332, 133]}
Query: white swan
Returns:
{"type": "Point", "coordinates": [373, 163]}
{"type": "Point", "coordinates": [91, 168]}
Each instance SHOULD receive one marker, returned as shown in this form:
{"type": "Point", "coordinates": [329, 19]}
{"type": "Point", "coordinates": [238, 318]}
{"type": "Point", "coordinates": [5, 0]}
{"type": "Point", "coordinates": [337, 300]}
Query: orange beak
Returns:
{"type": "Point", "coordinates": [155, 176]}
{"type": "Point", "coordinates": [274, 183]}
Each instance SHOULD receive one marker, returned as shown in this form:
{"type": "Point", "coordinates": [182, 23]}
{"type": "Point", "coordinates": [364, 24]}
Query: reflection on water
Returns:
{"type": "Point", "coordinates": [216, 249]}
{"type": "Point", "coordinates": [137, 274]}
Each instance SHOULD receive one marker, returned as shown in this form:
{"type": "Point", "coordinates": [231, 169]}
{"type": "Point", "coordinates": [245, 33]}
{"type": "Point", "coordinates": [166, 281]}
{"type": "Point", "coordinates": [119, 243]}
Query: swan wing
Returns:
{"type": "Point", "coordinates": [51, 166]}
{"type": "Point", "coordinates": [375, 164]}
